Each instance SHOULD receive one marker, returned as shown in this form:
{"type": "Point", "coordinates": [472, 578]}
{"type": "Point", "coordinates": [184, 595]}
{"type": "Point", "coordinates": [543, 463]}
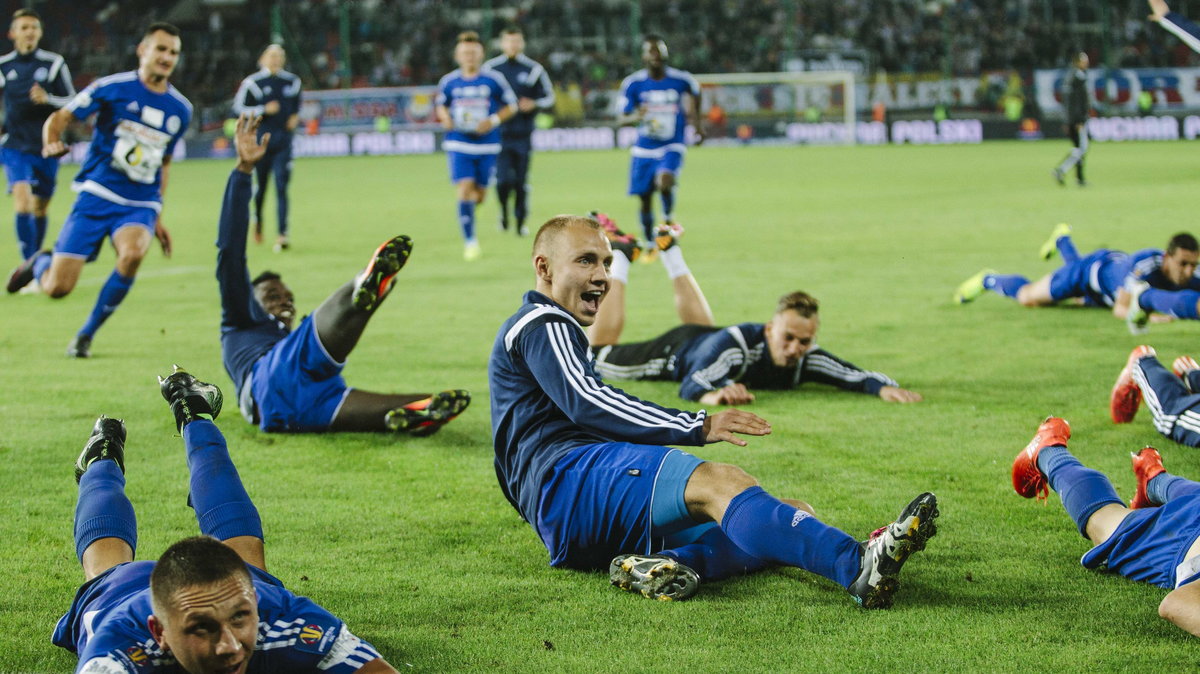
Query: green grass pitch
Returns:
{"type": "Point", "coordinates": [412, 543]}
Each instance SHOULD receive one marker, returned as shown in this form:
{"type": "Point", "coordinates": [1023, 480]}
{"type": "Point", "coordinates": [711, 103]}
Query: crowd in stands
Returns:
{"type": "Point", "coordinates": [589, 45]}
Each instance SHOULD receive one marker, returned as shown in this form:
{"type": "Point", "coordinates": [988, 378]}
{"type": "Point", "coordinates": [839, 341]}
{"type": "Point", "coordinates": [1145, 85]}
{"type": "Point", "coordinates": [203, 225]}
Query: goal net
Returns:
{"type": "Point", "coordinates": [798, 107]}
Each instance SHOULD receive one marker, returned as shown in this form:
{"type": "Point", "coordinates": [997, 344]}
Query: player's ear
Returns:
{"type": "Point", "coordinates": [541, 267]}
{"type": "Point", "coordinates": [156, 630]}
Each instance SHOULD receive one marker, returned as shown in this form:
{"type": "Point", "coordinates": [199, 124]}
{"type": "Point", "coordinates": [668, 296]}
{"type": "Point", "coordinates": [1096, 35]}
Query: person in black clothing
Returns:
{"type": "Point", "coordinates": [1078, 105]}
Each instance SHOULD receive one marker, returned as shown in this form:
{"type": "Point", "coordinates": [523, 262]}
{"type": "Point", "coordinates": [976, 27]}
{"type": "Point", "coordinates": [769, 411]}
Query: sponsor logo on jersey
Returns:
{"type": "Point", "coordinates": [137, 656]}
{"type": "Point", "coordinates": [311, 634]}
{"type": "Point", "coordinates": [153, 116]}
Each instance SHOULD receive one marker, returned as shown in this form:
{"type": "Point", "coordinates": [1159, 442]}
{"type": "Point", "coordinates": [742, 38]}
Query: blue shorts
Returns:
{"type": "Point", "coordinates": [92, 219]}
{"type": "Point", "coordinates": [477, 167]}
{"type": "Point", "coordinates": [297, 385]}
{"type": "Point", "coordinates": [1081, 278]}
{"type": "Point", "coordinates": [22, 167]}
{"type": "Point", "coordinates": [611, 498]}
{"type": "Point", "coordinates": [1150, 543]}
{"type": "Point", "coordinates": [643, 170]}
{"type": "Point", "coordinates": [112, 589]}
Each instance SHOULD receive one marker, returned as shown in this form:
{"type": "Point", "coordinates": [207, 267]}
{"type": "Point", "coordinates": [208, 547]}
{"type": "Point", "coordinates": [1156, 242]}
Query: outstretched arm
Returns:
{"type": "Point", "coordinates": [824, 367]}
{"type": "Point", "coordinates": [238, 306]}
{"type": "Point", "coordinates": [1175, 23]}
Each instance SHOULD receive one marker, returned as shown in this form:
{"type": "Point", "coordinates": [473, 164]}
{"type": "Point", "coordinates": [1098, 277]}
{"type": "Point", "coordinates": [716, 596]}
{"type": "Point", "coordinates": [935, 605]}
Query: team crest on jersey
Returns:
{"type": "Point", "coordinates": [137, 656]}
{"type": "Point", "coordinates": [41, 74]}
{"type": "Point", "coordinates": [12, 75]}
{"type": "Point", "coordinates": [311, 634]}
{"type": "Point", "coordinates": [173, 125]}
{"type": "Point", "coordinates": [267, 89]}
{"type": "Point", "coordinates": [132, 107]}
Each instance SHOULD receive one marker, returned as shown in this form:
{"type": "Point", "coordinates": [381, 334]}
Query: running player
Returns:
{"type": "Point", "coordinates": [208, 603]}
{"type": "Point", "coordinates": [274, 94]}
{"type": "Point", "coordinates": [36, 82]}
{"type": "Point", "coordinates": [291, 381]}
{"type": "Point", "coordinates": [1155, 540]}
{"type": "Point", "coordinates": [720, 366]}
{"type": "Point", "coordinates": [662, 101]}
{"type": "Point", "coordinates": [140, 117]}
{"type": "Point", "coordinates": [472, 103]}
{"type": "Point", "coordinates": [584, 464]}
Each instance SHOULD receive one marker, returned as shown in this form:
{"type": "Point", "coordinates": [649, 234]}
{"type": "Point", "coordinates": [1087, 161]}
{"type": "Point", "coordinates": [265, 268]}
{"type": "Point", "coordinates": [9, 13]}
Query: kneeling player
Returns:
{"type": "Point", "coordinates": [208, 603]}
{"type": "Point", "coordinates": [719, 366]}
{"type": "Point", "coordinates": [291, 381]}
{"type": "Point", "coordinates": [1156, 539]}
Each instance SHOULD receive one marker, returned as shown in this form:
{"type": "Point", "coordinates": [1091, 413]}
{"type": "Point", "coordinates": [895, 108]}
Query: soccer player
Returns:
{"type": "Point", "coordinates": [1078, 105]}
{"type": "Point", "coordinates": [291, 381]}
{"type": "Point", "coordinates": [531, 85]}
{"type": "Point", "coordinates": [1154, 540]}
{"type": "Point", "coordinates": [662, 101]}
{"type": "Point", "coordinates": [584, 464]}
{"type": "Point", "coordinates": [1151, 278]}
{"type": "Point", "coordinates": [1170, 394]}
{"type": "Point", "coordinates": [140, 117]}
{"type": "Point", "coordinates": [1175, 23]}
{"type": "Point", "coordinates": [208, 603]}
{"type": "Point", "coordinates": [720, 366]}
{"type": "Point", "coordinates": [274, 94]}
{"type": "Point", "coordinates": [472, 103]}
{"type": "Point", "coordinates": [36, 82]}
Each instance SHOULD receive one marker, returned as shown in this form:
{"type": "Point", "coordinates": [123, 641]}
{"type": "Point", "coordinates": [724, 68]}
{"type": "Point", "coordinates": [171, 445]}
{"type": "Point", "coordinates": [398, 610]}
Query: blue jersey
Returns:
{"type": "Point", "coordinates": [136, 130]}
{"type": "Point", "coordinates": [470, 101]}
{"type": "Point", "coordinates": [261, 88]}
{"type": "Point", "coordinates": [528, 79]}
{"type": "Point", "coordinates": [547, 400]}
{"type": "Point", "coordinates": [665, 120]}
{"type": "Point", "coordinates": [1146, 265]}
{"type": "Point", "coordinates": [294, 633]}
{"type": "Point", "coordinates": [247, 330]}
{"type": "Point", "coordinates": [23, 119]}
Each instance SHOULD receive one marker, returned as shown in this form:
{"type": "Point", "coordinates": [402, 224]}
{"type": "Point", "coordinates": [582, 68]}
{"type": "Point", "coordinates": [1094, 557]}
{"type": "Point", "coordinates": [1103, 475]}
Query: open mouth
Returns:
{"type": "Point", "coordinates": [591, 300]}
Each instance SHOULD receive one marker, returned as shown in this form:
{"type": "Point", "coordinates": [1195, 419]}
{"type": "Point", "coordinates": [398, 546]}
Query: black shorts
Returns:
{"type": "Point", "coordinates": [652, 359]}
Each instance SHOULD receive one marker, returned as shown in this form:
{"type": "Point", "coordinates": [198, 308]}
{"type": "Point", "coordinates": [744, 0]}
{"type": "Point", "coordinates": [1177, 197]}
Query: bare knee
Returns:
{"type": "Point", "coordinates": [57, 290]}
{"type": "Point", "coordinates": [712, 486]}
{"type": "Point", "coordinates": [666, 182]}
{"type": "Point", "coordinates": [128, 263]}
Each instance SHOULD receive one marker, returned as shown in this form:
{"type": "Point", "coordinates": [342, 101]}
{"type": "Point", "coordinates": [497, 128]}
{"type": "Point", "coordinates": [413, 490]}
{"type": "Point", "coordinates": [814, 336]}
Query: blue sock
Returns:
{"type": "Point", "coordinates": [103, 510]}
{"type": "Point", "coordinates": [1083, 490]}
{"type": "Point", "coordinates": [223, 508]}
{"type": "Point", "coordinates": [1177, 303]}
{"type": "Point", "coordinates": [1066, 248]}
{"type": "Point", "coordinates": [40, 265]}
{"type": "Point", "coordinates": [1005, 284]}
{"type": "Point", "coordinates": [647, 220]}
{"type": "Point", "coordinates": [775, 532]}
{"type": "Point", "coordinates": [466, 219]}
{"type": "Point", "coordinates": [714, 556]}
{"type": "Point", "coordinates": [1165, 486]}
{"type": "Point", "coordinates": [668, 203]}
{"type": "Point", "coordinates": [40, 223]}
{"type": "Point", "coordinates": [114, 291]}
{"type": "Point", "coordinates": [27, 236]}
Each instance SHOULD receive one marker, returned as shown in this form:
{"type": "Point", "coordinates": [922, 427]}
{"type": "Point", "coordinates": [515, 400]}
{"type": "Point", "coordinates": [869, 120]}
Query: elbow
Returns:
{"type": "Point", "coordinates": [1176, 608]}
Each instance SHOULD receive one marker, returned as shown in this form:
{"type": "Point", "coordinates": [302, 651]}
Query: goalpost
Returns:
{"type": "Point", "coordinates": [822, 97]}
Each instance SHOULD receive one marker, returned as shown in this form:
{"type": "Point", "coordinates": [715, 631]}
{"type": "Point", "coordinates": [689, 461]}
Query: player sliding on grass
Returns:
{"type": "Point", "coordinates": [291, 381]}
{"type": "Point", "coordinates": [208, 603]}
{"type": "Point", "coordinates": [1171, 397]}
{"type": "Point", "coordinates": [584, 463]}
{"type": "Point", "coordinates": [1148, 280]}
{"type": "Point", "coordinates": [720, 366]}
{"type": "Point", "coordinates": [1156, 539]}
